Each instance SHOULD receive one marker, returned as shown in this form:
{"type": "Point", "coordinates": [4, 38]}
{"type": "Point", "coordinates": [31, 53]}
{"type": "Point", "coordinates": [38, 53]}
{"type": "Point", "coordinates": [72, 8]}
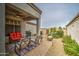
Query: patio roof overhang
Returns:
{"type": "Point", "coordinates": [23, 11]}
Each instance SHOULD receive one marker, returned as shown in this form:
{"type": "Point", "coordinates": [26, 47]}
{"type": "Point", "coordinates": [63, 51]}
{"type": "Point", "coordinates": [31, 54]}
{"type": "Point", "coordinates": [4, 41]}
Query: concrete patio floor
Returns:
{"type": "Point", "coordinates": [46, 48]}
{"type": "Point", "coordinates": [41, 50]}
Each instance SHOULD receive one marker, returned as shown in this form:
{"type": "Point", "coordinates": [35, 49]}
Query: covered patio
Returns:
{"type": "Point", "coordinates": [22, 18]}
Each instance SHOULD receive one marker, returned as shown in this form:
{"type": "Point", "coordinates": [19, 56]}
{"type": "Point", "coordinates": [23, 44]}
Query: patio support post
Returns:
{"type": "Point", "coordinates": [38, 26]}
{"type": "Point", "coordinates": [38, 30]}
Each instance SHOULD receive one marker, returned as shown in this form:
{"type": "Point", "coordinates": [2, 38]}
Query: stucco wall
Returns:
{"type": "Point", "coordinates": [73, 30]}
{"type": "Point", "coordinates": [2, 29]}
{"type": "Point", "coordinates": [44, 31]}
{"type": "Point", "coordinates": [28, 27]}
{"type": "Point", "coordinates": [32, 28]}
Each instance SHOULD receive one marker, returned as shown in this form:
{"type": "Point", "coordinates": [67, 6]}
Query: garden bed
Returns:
{"type": "Point", "coordinates": [71, 47]}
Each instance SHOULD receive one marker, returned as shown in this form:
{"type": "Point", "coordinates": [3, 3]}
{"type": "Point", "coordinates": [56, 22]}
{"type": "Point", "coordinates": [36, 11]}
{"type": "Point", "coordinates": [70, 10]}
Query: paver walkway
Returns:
{"type": "Point", "coordinates": [57, 49]}
{"type": "Point", "coordinates": [41, 50]}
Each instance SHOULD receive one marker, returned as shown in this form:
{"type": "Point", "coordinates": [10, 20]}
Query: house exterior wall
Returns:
{"type": "Point", "coordinates": [44, 31]}
{"type": "Point", "coordinates": [73, 29]}
{"type": "Point", "coordinates": [2, 29]}
{"type": "Point", "coordinates": [32, 28]}
{"type": "Point", "coordinates": [27, 27]}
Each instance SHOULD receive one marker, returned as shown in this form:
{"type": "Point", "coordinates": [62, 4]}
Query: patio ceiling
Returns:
{"type": "Point", "coordinates": [15, 13]}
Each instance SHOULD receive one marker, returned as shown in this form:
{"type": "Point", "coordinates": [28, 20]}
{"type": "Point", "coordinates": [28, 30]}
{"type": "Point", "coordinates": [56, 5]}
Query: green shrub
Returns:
{"type": "Point", "coordinates": [57, 34]}
{"type": "Point", "coordinates": [70, 46]}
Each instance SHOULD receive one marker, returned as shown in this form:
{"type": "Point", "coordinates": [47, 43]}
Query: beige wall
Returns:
{"type": "Point", "coordinates": [73, 30]}
{"type": "Point", "coordinates": [65, 32]}
{"type": "Point", "coordinates": [44, 31]}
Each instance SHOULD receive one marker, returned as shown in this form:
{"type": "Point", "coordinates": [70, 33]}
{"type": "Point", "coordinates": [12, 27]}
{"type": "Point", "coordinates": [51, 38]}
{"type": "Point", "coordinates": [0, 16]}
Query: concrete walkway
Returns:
{"type": "Point", "coordinates": [57, 49]}
{"type": "Point", "coordinates": [41, 50]}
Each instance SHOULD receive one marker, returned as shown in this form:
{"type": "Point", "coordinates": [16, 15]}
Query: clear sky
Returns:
{"type": "Point", "coordinates": [57, 14]}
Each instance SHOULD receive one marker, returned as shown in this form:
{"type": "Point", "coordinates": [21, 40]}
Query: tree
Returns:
{"type": "Point", "coordinates": [60, 28]}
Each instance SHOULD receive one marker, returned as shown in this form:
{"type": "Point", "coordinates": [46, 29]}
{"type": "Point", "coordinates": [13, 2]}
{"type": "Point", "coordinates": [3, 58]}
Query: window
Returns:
{"type": "Point", "coordinates": [11, 26]}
